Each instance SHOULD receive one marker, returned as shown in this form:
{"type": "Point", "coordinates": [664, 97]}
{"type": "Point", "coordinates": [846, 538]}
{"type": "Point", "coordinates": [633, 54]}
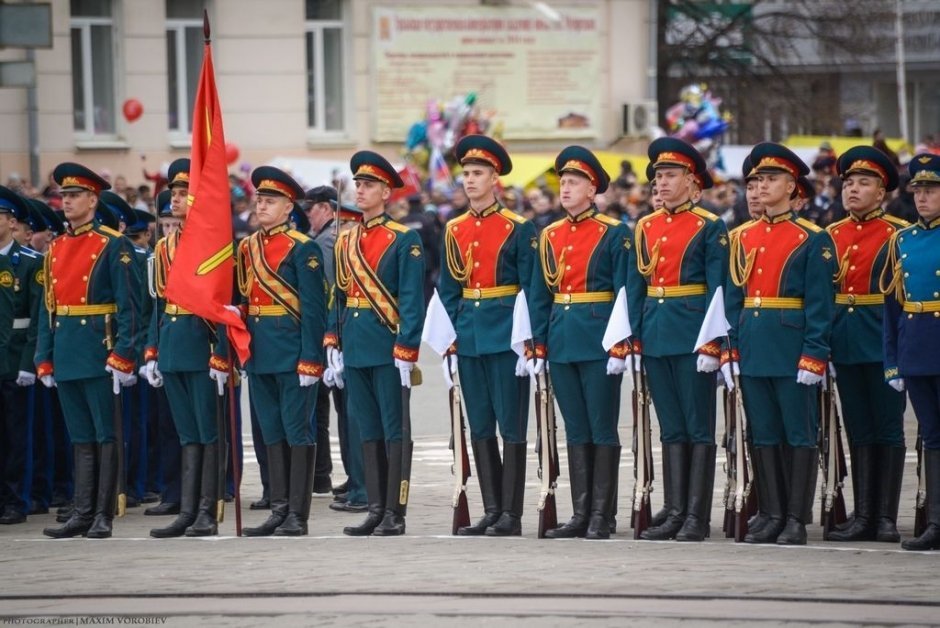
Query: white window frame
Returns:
{"type": "Point", "coordinates": [182, 136]}
{"type": "Point", "coordinates": [318, 134]}
{"type": "Point", "coordinates": [84, 24]}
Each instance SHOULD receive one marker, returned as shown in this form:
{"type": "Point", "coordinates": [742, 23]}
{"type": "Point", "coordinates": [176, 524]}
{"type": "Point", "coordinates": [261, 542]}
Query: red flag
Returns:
{"type": "Point", "coordinates": [201, 278]}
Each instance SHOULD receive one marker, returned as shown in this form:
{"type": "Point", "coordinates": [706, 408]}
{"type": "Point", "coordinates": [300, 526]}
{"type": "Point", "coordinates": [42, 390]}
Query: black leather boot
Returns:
{"type": "Point", "coordinates": [510, 521]}
{"type": "Point", "coordinates": [759, 520]}
{"type": "Point", "coordinates": [701, 490]}
{"type": "Point", "coordinates": [580, 473]}
{"type": "Point", "coordinates": [490, 473]}
{"type": "Point", "coordinates": [190, 479]}
{"type": "Point", "coordinates": [163, 508]}
{"type": "Point", "coordinates": [603, 490]}
{"type": "Point", "coordinates": [278, 469]}
{"type": "Point", "coordinates": [771, 493]}
{"type": "Point", "coordinates": [891, 462]}
{"type": "Point", "coordinates": [83, 511]}
{"type": "Point", "coordinates": [302, 464]}
{"type": "Point", "coordinates": [106, 502]}
{"type": "Point", "coordinates": [396, 496]}
{"type": "Point", "coordinates": [800, 499]}
{"type": "Point", "coordinates": [206, 523]}
{"type": "Point", "coordinates": [862, 526]}
{"type": "Point", "coordinates": [930, 539]}
{"type": "Point", "coordinates": [675, 494]}
{"type": "Point", "coordinates": [375, 471]}
{"type": "Point", "coordinates": [659, 518]}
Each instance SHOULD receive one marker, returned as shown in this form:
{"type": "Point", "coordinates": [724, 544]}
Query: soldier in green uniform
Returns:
{"type": "Point", "coordinates": [380, 281]}
{"type": "Point", "coordinates": [780, 306]}
{"type": "Point", "coordinates": [490, 257]}
{"type": "Point", "coordinates": [18, 377]}
{"type": "Point", "coordinates": [89, 330]}
{"type": "Point", "coordinates": [280, 276]}
{"type": "Point", "coordinates": [585, 260]}
{"type": "Point", "coordinates": [682, 256]}
{"type": "Point", "coordinates": [873, 411]}
{"type": "Point", "coordinates": [185, 354]}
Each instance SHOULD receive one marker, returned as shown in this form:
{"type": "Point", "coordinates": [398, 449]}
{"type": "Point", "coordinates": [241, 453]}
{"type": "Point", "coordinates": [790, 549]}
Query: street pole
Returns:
{"type": "Point", "coordinates": [32, 116]}
{"type": "Point", "coordinates": [901, 73]}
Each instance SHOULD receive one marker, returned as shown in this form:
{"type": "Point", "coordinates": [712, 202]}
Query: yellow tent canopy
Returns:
{"type": "Point", "coordinates": [839, 144]}
{"type": "Point", "coordinates": [527, 167]}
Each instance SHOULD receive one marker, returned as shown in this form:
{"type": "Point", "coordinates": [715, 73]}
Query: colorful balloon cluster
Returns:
{"type": "Point", "coordinates": [697, 119]}
{"type": "Point", "coordinates": [431, 140]}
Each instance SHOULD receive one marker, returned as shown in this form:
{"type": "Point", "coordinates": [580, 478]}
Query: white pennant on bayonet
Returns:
{"type": "Point", "coordinates": [715, 324]}
{"type": "Point", "coordinates": [521, 324]}
{"type": "Point", "coordinates": [438, 330]}
{"type": "Point", "coordinates": [618, 327]}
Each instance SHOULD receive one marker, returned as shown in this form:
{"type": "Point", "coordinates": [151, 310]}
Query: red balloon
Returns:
{"type": "Point", "coordinates": [133, 109]}
{"type": "Point", "coordinates": [231, 153]}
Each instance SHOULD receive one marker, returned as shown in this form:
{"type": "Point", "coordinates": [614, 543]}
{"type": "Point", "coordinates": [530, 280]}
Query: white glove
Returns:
{"type": "Point", "coordinates": [449, 368]}
{"type": "Point", "coordinates": [120, 378]}
{"type": "Point", "coordinates": [808, 378]}
{"type": "Point", "coordinates": [334, 359]}
{"type": "Point", "coordinates": [220, 378]}
{"type": "Point", "coordinates": [48, 381]}
{"type": "Point", "coordinates": [233, 309]}
{"type": "Point", "coordinates": [153, 374]}
{"type": "Point", "coordinates": [331, 379]}
{"type": "Point", "coordinates": [832, 370]}
{"type": "Point", "coordinates": [707, 363]}
{"type": "Point", "coordinates": [897, 384]}
{"type": "Point", "coordinates": [728, 371]}
{"type": "Point", "coordinates": [521, 370]}
{"type": "Point", "coordinates": [404, 368]}
{"type": "Point", "coordinates": [637, 362]}
{"type": "Point", "coordinates": [535, 366]}
{"type": "Point", "coordinates": [307, 380]}
{"type": "Point", "coordinates": [616, 366]}
{"type": "Point", "coordinates": [25, 378]}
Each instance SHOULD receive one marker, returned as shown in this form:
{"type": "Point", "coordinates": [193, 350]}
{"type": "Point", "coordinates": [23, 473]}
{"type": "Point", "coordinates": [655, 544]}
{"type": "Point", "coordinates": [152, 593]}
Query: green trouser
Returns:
{"type": "Point", "coordinates": [286, 411]}
{"type": "Point", "coordinates": [780, 411]}
{"type": "Point", "coordinates": [872, 411]}
{"type": "Point", "coordinates": [495, 396]}
{"type": "Point", "coordinates": [683, 397]}
{"type": "Point", "coordinates": [88, 408]}
{"type": "Point", "coordinates": [373, 397]}
{"type": "Point", "coordinates": [589, 400]}
{"type": "Point", "coordinates": [192, 397]}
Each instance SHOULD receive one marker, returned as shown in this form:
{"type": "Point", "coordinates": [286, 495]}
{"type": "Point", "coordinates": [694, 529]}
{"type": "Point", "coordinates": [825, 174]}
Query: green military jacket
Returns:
{"type": "Point", "coordinates": [27, 298]}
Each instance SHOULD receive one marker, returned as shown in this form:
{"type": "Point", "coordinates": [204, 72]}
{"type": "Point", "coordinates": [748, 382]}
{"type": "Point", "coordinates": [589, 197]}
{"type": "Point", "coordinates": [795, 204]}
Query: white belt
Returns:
{"type": "Point", "coordinates": [20, 323]}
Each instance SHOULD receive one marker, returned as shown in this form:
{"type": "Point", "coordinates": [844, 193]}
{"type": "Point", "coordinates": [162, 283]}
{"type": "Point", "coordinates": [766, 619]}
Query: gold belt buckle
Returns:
{"type": "Point", "coordinates": [918, 306]}
{"type": "Point", "coordinates": [851, 299]}
{"type": "Point", "coordinates": [567, 297]}
{"type": "Point", "coordinates": [660, 291]}
{"type": "Point", "coordinates": [477, 293]}
{"type": "Point", "coordinates": [757, 301]}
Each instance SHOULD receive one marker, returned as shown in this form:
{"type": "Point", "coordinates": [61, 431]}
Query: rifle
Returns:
{"type": "Point", "coordinates": [920, 503]}
{"type": "Point", "coordinates": [407, 445]}
{"type": "Point", "coordinates": [233, 440]}
{"type": "Point", "coordinates": [831, 459]}
{"type": "Point", "coordinates": [727, 499]}
{"type": "Point", "coordinates": [744, 499]}
{"type": "Point", "coordinates": [461, 467]}
{"type": "Point", "coordinates": [642, 455]}
{"type": "Point", "coordinates": [547, 451]}
{"type": "Point", "coordinates": [118, 419]}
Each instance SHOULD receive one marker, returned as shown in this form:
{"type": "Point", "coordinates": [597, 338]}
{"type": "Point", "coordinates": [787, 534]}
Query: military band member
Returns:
{"type": "Point", "coordinates": [490, 257]}
{"type": "Point", "coordinates": [380, 281]}
{"type": "Point", "coordinates": [585, 260]}
{"type": "Point", "coordinates": [681, 253]}
{"type": "Point", "coordinates": [873, 412]}
{"type": "Point", "coordinates": [280, 276]}
{"type": "Point", "coordinates": [780, 306]}
{"type": "Point", "coordinates": [912, 328]}
{"type": "Point", "coordinates": [18, 376]}
{"type": "Point", "coordinates": [87, 338]}
{"type": "Point", "coordinates": [184, 354]}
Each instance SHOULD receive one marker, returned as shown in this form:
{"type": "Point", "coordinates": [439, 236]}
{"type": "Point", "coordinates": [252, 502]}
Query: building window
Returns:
{"type": "Point", "coordinates": [184, 47]}
{"type": "Point", "coordinates": [326, 58]}
{"type": "Point", "coordinates": [93, 55]}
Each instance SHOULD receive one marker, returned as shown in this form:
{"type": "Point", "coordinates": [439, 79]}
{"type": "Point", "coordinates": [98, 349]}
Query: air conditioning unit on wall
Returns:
{"type": "Point", "coordinates": [639, 118]}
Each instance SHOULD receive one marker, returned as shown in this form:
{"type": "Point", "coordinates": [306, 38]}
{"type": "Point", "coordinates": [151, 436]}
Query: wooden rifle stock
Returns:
{"type": "Point", "coordinates": [461, 467]}
{"type": "Point", "coordinates": [643, 459]}
{"type": "Point", "coordinates": [727, 499]}
{"type": "Point", "coordinates": [920, 503]}
{"type": "Point", "coordinates": [547, 454]}
{"type": "Point", "coordinates": [832, 460]}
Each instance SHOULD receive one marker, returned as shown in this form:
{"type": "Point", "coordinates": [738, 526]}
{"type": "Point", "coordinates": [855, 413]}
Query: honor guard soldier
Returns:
{"type": "Point", "coordinates": [280, 276]}
{"type": "Point", "coordinates": [873, 412]}
{"type": "Point", "coordinates": [490, 257]}
{"type": "Point", "coordinates": [89, 329]}
{"type": "Point", "coordinates": [380, 281]}
{"type": "Point", "coordinates": [780, 306]}
{"type": "Point", "coordinates": [17, 391]}
{"type": "Point", "coordinates": [184, 354]}
{"type": "Point", "coordinates": [585, 259]}
{"type": "Point", "coordinates": [912, 328]}
{"type": "Point", "coordinates": [682, 256]}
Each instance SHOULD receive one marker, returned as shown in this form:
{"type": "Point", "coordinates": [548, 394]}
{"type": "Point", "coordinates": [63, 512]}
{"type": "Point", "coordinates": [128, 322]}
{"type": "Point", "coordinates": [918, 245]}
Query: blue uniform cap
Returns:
{"type": "Point", "coordinates": [119, 206]}
{"type": "Point", "coordinates": [162, 204]}
{"type": "Point", "coordinates": [51, 219]}
{"type": "Point", "coordinates": [924, 169]}
{"type": "Point", "coordinates": [13, 203]}
{"type": "Point", "coordinates": [299, 217]}
{"type": "Point", "coordinates": [141, 220]}
{"type": "Point", "coordinates": [107, 217]}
